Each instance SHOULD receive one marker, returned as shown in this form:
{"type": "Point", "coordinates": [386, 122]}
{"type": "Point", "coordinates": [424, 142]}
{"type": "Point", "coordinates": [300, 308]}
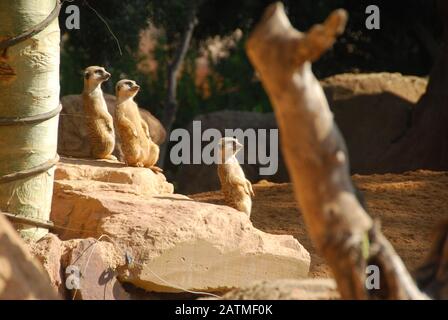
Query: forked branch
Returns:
{"type": "Point", "coordinates": [317, 159]}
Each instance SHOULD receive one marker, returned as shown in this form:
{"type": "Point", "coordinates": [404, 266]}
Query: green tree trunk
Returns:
{"type": "Point", "coordinates": [29, 86]}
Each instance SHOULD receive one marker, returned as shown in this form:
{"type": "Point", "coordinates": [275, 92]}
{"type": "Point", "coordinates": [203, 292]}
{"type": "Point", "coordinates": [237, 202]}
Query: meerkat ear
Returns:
{"type": "Point", "coordinates": [86, 75]}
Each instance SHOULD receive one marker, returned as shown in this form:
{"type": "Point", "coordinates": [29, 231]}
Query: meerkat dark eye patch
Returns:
{"type": "Point", "coordinates": [129, 83]}
{"type": "Point", "coordinates": [98, 72]}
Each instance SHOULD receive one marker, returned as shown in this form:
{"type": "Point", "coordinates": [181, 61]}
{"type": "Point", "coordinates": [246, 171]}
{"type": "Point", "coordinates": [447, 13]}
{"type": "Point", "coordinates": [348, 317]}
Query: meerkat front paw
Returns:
{"type": "Point", "coordinates": [156, 169]}
{"type": "Point", "coordinates": [250, 189]}
{"type": "Point", "coordinates": [111, 157]}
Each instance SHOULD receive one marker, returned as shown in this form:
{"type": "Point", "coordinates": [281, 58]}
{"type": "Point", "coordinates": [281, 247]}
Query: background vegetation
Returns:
{"type": "Point", "coordinates": [406, 43]}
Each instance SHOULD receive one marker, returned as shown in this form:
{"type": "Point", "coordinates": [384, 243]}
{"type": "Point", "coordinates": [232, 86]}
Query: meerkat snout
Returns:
{"type": "Point", "coordinates": [96, 74]}
{"type": "Point", "coordinates": [228, 147]}
{"type": "Point", "coordinates": [126, 88]}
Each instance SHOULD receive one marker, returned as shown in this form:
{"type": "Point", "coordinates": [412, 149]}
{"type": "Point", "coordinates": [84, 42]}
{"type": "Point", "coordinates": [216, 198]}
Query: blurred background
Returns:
{"type": "Point", "coordinates": [216, 73]}
{"type": "Point", "coordinates": [189, 58]}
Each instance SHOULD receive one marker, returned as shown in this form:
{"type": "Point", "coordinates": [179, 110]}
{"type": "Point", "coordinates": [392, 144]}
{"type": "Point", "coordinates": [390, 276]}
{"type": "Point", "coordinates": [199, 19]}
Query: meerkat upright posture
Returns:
{"type": "Point", "coordinates": [236, 188]}
{"type": "Point", "coordinates": [136, 143]}
{"type": "Point", "coordinates": [99, 122]}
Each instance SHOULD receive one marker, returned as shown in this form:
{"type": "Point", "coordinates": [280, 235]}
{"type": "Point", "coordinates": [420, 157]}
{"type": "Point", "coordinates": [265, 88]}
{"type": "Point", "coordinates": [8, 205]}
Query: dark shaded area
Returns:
{"type": "Point", "coordinates": [409, 41]}
{"type": "Point", "coordinates": [425, 145]}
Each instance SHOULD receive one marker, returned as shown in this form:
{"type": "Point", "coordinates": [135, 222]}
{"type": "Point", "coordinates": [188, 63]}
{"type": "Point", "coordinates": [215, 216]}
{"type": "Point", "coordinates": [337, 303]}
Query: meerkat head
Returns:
{"type": "Point", "coordinates": [228, 147]}
{"type": "Point", "coordinates": [94, 76]}
{"type": "Point", "coordinates": [126, 89]}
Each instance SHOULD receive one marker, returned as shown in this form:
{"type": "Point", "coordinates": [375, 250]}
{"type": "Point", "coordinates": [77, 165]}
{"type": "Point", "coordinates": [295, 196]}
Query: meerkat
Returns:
{"type": "Point", "coordinates": [237, 190]}
{"type": "Point", "coordinates": [99, 122]}
{"type": "Point", "coordinates": [137, 146]}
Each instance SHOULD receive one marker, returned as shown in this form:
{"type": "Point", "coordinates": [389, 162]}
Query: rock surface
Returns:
{"type": "Point", "coordinates": [97, 263]}
{"type": "Point", "coordinates": [48, 251]}
{"type": "Point", "coordinates": [286, 289]}
{"type": "Point", "coordinates": [72, 134]}
{"type": "Point", "coordinates": [174, 242]}
{"type": "Point", "coordinates": [21, 276]}
{"type": "Point", "coordinates": [73, 173]}
{"type": "Point", "coordinates": [82, 269]}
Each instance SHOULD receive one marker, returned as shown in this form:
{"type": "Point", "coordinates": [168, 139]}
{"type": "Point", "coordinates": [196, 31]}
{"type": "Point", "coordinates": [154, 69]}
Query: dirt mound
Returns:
{"type": "Point", "coordinates": [409, 206]}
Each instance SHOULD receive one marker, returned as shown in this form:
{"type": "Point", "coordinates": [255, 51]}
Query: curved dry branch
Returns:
{"type": "Point", "coordinates": [432, 275]}
{"type": "Point", "coordinates": [317, 159]}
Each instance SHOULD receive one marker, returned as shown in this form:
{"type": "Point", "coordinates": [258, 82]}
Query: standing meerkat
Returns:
{"type": "Point", "coordinates": [137, 146]}
{"type": "Point", "coordinates": [236, 188]}
{"type": "Point", "coordinates": [99, 122]}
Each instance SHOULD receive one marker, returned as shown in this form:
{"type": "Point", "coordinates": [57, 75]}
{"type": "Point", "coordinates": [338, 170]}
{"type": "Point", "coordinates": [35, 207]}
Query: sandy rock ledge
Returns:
{"type": "Point", "coordinates": [173, 241]}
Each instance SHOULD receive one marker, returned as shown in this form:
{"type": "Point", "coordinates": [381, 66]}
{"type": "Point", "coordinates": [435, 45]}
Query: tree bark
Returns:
{"type": "Point", "coordinates": [425, 144]}
{"type": "Point", "coordinates": [432, 275]}
{"type": "Point", "coordinates": [171, 104]}
{"type": "Point", "coordinates": [317, 160]}
{"type": "Point", "coordinates": [29, 86]}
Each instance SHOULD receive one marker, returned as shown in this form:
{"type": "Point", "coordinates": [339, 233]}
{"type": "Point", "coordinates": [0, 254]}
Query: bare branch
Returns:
{"type": "Point", "coordinates": [317, 159]}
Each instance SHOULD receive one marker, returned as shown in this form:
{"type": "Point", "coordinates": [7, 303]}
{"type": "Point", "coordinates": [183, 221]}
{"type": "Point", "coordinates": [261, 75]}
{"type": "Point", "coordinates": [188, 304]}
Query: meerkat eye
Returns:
{"type": "Point", "coordinates": [129, 83]}
{"type": "Point", "coordinates": [98, 71]}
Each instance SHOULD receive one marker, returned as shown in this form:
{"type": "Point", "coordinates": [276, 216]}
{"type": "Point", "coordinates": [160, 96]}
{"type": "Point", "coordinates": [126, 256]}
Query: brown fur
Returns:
{"type": "Point", "coordinates": [99, 122]}
{"type": "Point", "coordinates": [136, 144]}
{"type": "Point", "coordinates": [237, 190]}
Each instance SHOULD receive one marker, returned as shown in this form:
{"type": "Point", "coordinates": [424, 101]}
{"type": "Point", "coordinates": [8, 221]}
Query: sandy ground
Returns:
{"type": "Point", "coordinates": [410, 206]}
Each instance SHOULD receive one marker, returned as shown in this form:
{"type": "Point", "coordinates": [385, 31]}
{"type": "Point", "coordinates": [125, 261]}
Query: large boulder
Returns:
{"type": "Point", "coordinates": [21, 276]}
{"type": "Point", "coordinates": [72, 135]}
{"type": "Point", "coordinates": [371, 110]}
{"type": "Point", "coordinates": [173, 243]}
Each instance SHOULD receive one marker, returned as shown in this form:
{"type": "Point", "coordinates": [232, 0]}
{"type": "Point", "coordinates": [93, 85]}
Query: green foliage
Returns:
{"type": "Point", "coordinates": [93, 44]}
{"type": "Point", "coordinates": [238, 90]}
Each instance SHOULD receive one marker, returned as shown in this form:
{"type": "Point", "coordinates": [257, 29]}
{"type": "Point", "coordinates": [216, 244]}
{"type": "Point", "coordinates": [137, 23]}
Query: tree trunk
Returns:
{"type": "Point", "coordinates": [29, 87]}
{"type": "Point", "coordinates": [425, 144]}
{"type": "Point", "coordinates": [174, 68]}
{"type": "Point", "coordinates": [317, 160]}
